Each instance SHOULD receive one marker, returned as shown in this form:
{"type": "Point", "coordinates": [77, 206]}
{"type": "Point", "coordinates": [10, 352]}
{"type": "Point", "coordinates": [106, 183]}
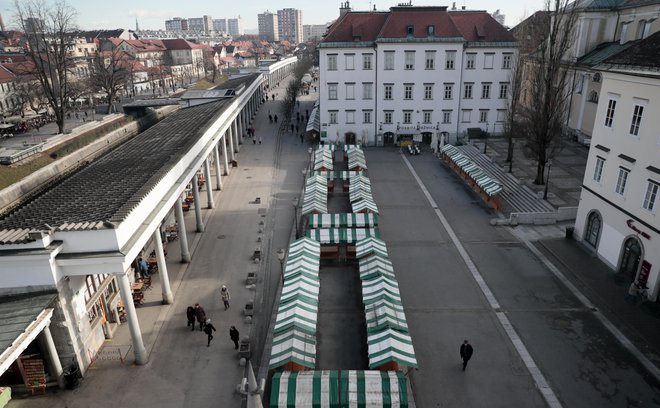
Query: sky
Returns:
{"type": "Point", "coordinates": [151, 14]}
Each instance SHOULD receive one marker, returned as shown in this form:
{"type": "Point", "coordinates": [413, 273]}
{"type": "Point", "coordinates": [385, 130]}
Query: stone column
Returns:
{"type": "Point", "coordinates": [198, 205]}
{"type": "Point", "coordinates": [53, 357]}
{"type": "Point", "coordinates": [140, 352]}
{"type": "Point", "coordinates": [183, 238]}
{"type": "Point", "coordinates": [162, 268]}
{"type": "Point", "coordinates": [224, 152]}
{"type": "Point", "coordinates": [241, 127]}
{"type": "Point", "coordinates": [218, 173]}
{"type": "Point", "coordinates": [234, 137]}
{"type": "Point", "coordinates": [209, 190]}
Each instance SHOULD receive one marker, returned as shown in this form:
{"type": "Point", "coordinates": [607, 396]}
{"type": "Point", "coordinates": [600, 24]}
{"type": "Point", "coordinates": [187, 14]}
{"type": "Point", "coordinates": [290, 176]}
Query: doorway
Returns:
{"type": "Point", "coordinates": [349, 138]}
{"type": "Point", "coordinates": [631, 257]}
{"type": "Point", "coordinates": [388, 139]}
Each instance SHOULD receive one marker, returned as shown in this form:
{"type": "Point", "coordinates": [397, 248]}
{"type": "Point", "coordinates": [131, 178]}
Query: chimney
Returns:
{"type": "Point", "coordinates": [344, 8]}
{"type": "Point", "coordinates": [2, 24]}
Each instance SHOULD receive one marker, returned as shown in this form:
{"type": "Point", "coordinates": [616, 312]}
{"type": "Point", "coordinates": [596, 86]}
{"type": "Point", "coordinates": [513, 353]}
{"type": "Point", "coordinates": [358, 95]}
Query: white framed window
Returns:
{"type": "Point", "coordinates": [350, 91]}
{"type": "Point", "coordinates": [388, 92]}
{"type": "Point", "coordinates": [468, 91]}
{"type": "Point", "coordinates": [350, 116]}
{"type": "Point", "coordinates": [446, 116]}
{"type": "Point", "coordinates": [407, 117]}
{"type": "Point", "coordinates": [483, 116]}
{"type": "Point", "coordinates": [465, 115]}
{"type": "Point", "coordinates": [598, 170]}
{"type": "Point", "coordinates": [429, 60]}
{"type": "Point", "coordinates": [332, 91]}
{"type": "Point", "coordinates": [638, 111]}
{"type": "Point", "coordinates": [367, 90]}
{"type": "Point", "coordinates": [350, 62]}
{"type": "Point", "coordinates": [448, 91]}
{"type": "Point", "coordinates": [651, 196]}
{"type": "Point", "coordinates": [366, 116]}
{"type": "Point", "coordinates": [485, 91]}
{"type": "Point", "coordinates": [389, 60]}
{"type": "Point", "coordinates": [427, 116]}
{"type": "Point", "coordinates": [609, 114]}
{"type": "Point", "coordinates": [470, 61]}
{"type": "Point", "coordinates": [488, 60]}
{"type": "Point", "coordinates": [333, 117]}
{"type": "Point", "coordinates": [428, 91]}
{"type": "Point", "coordinates": [407, 92]}
{"type": "Point", "coordinates": [501, 115]}
{"type": "Point", "coordinates": [506, 61]}
{"type": "Point", "coordinates": [450, 58]}
{"type": "Point", "coordinates": [366, 61]}
{"type": "Point", "coordinates": [409, 60]}
{"type": "Point", "coordinates": [332, 62]}
{"type": "Point", "coordinates": [621, 181]}
{"type": "Point", "coordinates": [388, 117]}
{"type": "Point", "coordinates": [504, 91]}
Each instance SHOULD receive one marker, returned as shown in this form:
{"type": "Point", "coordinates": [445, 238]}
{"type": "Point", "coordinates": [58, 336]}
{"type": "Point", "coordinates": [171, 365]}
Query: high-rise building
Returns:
{"type": "Point", "coordinates": [314, 32]}
{"type": "Point", "coordinates": [289, 23]}
{"type": "Point", "coordinates": [235, 26]}
{"type": "Point", "coordinates": [268, 27]}
{"type": "Point", "coordinates": [176, 24]}
{"type": "Point", "coordinates": [220, 24]}
{"type": "Point", "coordinates": [204, 23]}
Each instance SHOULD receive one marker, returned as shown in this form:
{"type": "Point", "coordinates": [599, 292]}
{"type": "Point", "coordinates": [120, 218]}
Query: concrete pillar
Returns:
{"type": "Point", "coordinates": [583, 101]}
{"type": "Point", "coordinates": [223, 142]}
{"type": "Point", "coordinates": [140, 352]}
{"type": "Point", "coordinates": [53, 357]}
{"type": "Point", "coordinates": [218, 173]}
{"type": "Point", "coordinates": [209, 190]}
{"type": "Point", "coordinates": [234, 136]}
{"type": "Point", "coordinates": [162, 268]}
{"type": "Point", "coordinates": [183, 238]}
{"type": "Point", "coordinates": [241, 126]}
{"type": "Point", "coordinates": [231, 141]}
{"type": "Point", "coordinates": [199, 223]}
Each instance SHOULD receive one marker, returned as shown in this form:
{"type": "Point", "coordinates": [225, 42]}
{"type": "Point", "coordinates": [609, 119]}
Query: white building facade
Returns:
{"type": "Point", "coordinates": [407, 74]}
{"type": "Point", "coordinates": [618, 212]}
{"type": "Point", "coordinates": [235, 26]}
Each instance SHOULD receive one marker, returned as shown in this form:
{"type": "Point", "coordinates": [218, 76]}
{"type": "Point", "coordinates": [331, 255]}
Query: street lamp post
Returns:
{"type": "Point", "coordinates": [280, 256]}
{"type": "Point", "coordinates": [486, 139]}
{"type": "Point", "coordinates": [511, 161]}
{"type": "Point", "coordinates": [547, 181]}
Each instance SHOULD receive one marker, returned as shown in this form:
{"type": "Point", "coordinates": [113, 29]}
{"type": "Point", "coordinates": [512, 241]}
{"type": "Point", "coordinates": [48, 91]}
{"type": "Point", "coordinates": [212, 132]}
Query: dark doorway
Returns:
{"type": "Point", "coordinates": [426, 138]}
{"type": "Point", "coordinates": [349, 138]}
{"type": "Point", "coordinates": [632, 255]}
{"type": "Point", "coordinates": [388, 139]}
{"type": "Point", "coordinates": [592, 233]}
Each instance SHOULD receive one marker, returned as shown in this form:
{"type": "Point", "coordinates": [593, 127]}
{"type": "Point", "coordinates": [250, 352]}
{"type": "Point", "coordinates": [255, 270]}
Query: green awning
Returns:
{"type": "Point", "coordinates": [305, 389]}
{"type": "Point", "coordinates": [314, 204]}
{"type": "Point", "coordinates": [337, 175]}
{"type": "Point", "coordinates": [390, 345]}
{"type": "Point", "coordinates": [293, 346]}
{"type": "Point", "coordinates": [364, 206]}
{"type": "Point", "coordinates": [299, 286]}
{"type": "Point", "coordinates": [358, 194]}
{"type": "Point", "coordinates": [375, 266]}
{"type": "Point", "coordinates": [342, 220]}
{"type": "Point", "coordinates": [373, 389]}
{"type": "Point", "coordinates": [341, 235]}
{"type": "Point", "coordinates": [301, 313]}
{"type": "Point", "coordinates": [380, 285]}
{"type": "Point", "coordinates": [369, 246]}
{"type": "Point", "coordinates": [383, 314]}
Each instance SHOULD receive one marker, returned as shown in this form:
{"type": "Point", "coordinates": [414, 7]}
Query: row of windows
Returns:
{"type": "Point", "coordinates": [472, 61]}
{"type": "Point", "coordinates": [8, 86]}
{"type": "Point", "coordinates": [650, 196]}
{"type": "Point", "coordinates": [408, 91]}
{"type": "Point", "coordinates": [407, 116]}
{"type": "Point", "coordinates": [635, 122]}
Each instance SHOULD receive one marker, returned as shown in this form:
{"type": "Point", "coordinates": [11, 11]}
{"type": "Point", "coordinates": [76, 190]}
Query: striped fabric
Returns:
{"type": "Point", "coordinates": [370, 246]}
{"type": "Point", "coordinates": [293, 346]}
{"type": "Point", "coordinates": [390, 345]}
{"type": "Point", "coordinates": [337, 175]}
{"type": "Point", "coordinates": [341, 235]}
{"type": "Point", "coordinates": [342, 220]}
{"type": "Point", "coordinates": [367, 389]}
{"type": "Point", "coordinates": [301, 314]}
{"type": "Point", "coordinates": [383, 313]}
{"type": "Point", "coordinates": [364, 206]}
{"type": "Point", "coordinates": [375, 266]}
{"type": "Point", "coordinates": [308, 389]}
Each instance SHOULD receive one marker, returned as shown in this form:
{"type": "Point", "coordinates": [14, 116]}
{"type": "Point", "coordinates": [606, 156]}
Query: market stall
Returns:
{"type": "Point", "coordinates": [390, 349]}
{"type": "Point", "coordinates": [370, 246]}
{"type": "Point", "coordinates": [375, 266]}
{"type": "Point", "coordinates": [294, 350]}
{"type": "Point", "coordinates": [341, 235]}
{"type": "Point", "coordinates": [311, 389]}
{"type": "Point", "coordinates": [345, 220]}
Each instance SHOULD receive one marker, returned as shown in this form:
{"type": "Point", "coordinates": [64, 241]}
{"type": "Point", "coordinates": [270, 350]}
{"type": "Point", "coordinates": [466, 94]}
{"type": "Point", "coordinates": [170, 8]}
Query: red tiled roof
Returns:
{"type": "Point", "coordinates": [362, 25]}
{"type": "Point", "coordinates": [420, 18]}
{"type": "Point", "coordinates": [178, 44]}
{"type": "Point", "coordinates": [480, 26]}
{"type": "Point", "coordinates": [6, 75]}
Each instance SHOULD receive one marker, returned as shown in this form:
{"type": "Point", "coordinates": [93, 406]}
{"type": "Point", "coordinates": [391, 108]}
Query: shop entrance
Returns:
{"type": "Point", "coordinates": [632, 255]}
{"type": "Point", "coordinates": [349, 138]}
{"type": "Point", "coordinates": [388, 139]}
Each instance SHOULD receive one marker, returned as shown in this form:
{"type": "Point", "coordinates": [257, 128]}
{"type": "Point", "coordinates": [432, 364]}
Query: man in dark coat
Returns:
{"type": "Point", "coordinates": [466, 353]}
{"type": "Point", "coordinates": [209, 329]}
{"type": "Point", "coordinates": [190, 314]}
{"type": "Point", "coordinates": [201, 315]}
{"type": "Point", "coordinates": [233, 335]}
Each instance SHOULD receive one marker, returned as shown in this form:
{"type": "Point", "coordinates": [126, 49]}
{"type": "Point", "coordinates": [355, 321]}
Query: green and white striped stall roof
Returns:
{"type": "Point", "coordinates": [375, 266]}
{"type": "Point", "coordinates": [364, 205]}
{"type": "Point", "coordinates": [341, 235]}
{"type": "Point", "coordinates": [383, 314]}
{"type": "Point", "coordinates": [390, 345]}
{"type": "Point", "coordinates": [371, 389]}
{"type": "Point", "coordinates": [357, 195]}
{"type": "Point", "coordinates": [369, 246]}
{"type": "Point", "coordinates": [314, 204]}
{"type": "Point", "coordinates": [299, 287]}
{"type": "Point", "coordinates": [360, 220]}
{"type": "Point", "coordinates": [380, 285]}
{"type": "Point", "coordinates": [308, 389]}
{"type": "Point", "coordinates": [293, 346]}
{"type": "Point", "coordinates": [317, 179]}
{"type": "Point", "coordinates": [337, 175]}
{"type": "Point", "coordinates": [349, 147]}
{"type": "Point", "coordinates": [300, 313]}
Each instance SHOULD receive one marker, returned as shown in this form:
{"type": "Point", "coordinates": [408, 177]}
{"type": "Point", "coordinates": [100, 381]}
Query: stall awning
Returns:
{"type": "Point", "coordinates": [373, 389]}
{"type": "Point", "coordinates": [364, 206]}
{"type": "Point", "coordinates": [314, 122]}
{"type": "Point", "coordinates": [314, 205]}
{"type": "Point", "coordinates": [384, 314]}
{"type": "Point", "coordinates": [293, 346]}
{"type": "Point", "coordinates": [380, 285]}
{"type": "Point", "coordinates": [341, 235]}
{"type": "Point", "coordinates": [305, 389]}
{"type": "Point", "coordinates": [337, 175]}
{"type": "Point", "coordinates": [304, 245]}
{"type": "Point", "coordinates": [358, 194]}
{"type": "Point", "coordinates": [370, 246]}
{"type": "Point", "coordinates": [375, 266]}
{"type": "Point", "coordinates": [342, 220]}
{"type": "Point", "coordinates": [301, 313]}
{"type": "Point", "coordinates": [317, 178]}
{"type": "Point", "coordinates": [299, 286]}
{"type": "Point", "coordinates": [389, 346]}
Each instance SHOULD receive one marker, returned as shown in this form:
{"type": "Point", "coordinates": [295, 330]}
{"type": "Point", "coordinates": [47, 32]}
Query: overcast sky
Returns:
{"type": "Point", "coordinates": [151, 14]}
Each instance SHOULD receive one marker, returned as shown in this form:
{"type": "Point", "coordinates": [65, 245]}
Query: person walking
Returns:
{"type": "Point", "coordinates": [224, 294]}
{"type": "Point", "coordinates": [233, 335]}
{"type": "Point", "coordinates": [270, 118]}
{"type": "Point", "coordinates": [259, 139]}
{"type": "Point", "coordinates": [466, 353]}
{"type": "Point", "coordinates": [209, 329]}
{"type": "Point", "coordinates": [302, 137]}
{"type": "Point", "coordinates": [275, 117]}
{"type": "Point", "coordinates": [292, 128]}
{"type": "Point", "coordinates": [144, 268]}
{"type": "Point", "coordinates": [190, 314]}
{"type": "Point", "coordinates": [201, 315]}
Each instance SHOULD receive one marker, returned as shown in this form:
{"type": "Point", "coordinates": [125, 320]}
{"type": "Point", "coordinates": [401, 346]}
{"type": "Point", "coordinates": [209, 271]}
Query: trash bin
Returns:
{"type": "Point", "coordinates": [569, 232]}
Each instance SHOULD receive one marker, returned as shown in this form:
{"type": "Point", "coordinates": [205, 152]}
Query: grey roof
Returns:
{"type": "Point", "coordinates": [236, 82]}
{"type": "Point", "coordinates": [18, 312]}
{"type": "Point", "coordinates": [108, 189]}
{"type": "Point", "coordinates": [611, 4]}
{"type": "Point", "coordinates": [602, 52]}
{"type": "Point", "coordinates": [640, 54]}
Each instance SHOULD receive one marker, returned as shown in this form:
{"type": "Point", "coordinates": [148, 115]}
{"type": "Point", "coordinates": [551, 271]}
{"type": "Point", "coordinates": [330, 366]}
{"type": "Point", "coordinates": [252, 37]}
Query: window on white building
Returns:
{"type": "Point", "coordinates": [468, 91]}
{"type": "Point", "coordinates": [506, 61]}
{"type": "Point", "coordinates": [448, 91]}
{"type": "Point", "coordinates": [407, 117]}
{"type": "Point", "coordinates": [429, 60]}
{"type": "Point", "coordinates": [598, 170]}
{"type": "Point", "coordinates": [366, 116]}
{"type": "Point", "coordinates": [427, 116]}
{"type": "Point", "coordinates": [407, 92]}
{"type": "Point", "coordinates": [636, 119]}
{"type": "Point", "coordinates": [428, 91]}
{"type": "Point", "coordinates": [350, 91]}
{"type": "Point", "coordinates": [333, 117]}
{"type": "Point", "coordinates": [483, 116]}
{"type": "Point", "coordinates": [332, 62]}
{"type": "Point", "coordinates": [388, 91]}
{"type": "Point", "coordinates": [651, 196]}
{"type": "Point", "coordinates": [409, 60]}
{"type": "Point", "coordinates": [450, 59]}
{"type": "Point", "coordinates": [621, 181]}
{"type": "Point", "coordinates": [388, 117]}
{"type": "Point", "coordinates": [488, 60]}
{"type": "Point", "coordinates": [470, 61]}
{"type": "Point", "coordinates": [389, 60]}
{"type": "Point", "coordinates": [609, 114]}
{"type": "Point", "coordinates": [501, 115]}
{"type": "Point", "coordinates": [366, 61]}
{"type": "Point", "coordinates": [332, 91]}
{"type": "Point", "coordinates": [465, 115]}
{"type": "Point", "coordinates": [350, 116]}
{"type": "Point", "coordinates": [485, 91]}
{"type": "Point", "coordinates": [504, 91]}
{"type": "Point", "coordinates": [350, 61]}
{"type": "Point", "coordinates": [367, 90]}
{"type": "Point", "coordinates": [446, 116]}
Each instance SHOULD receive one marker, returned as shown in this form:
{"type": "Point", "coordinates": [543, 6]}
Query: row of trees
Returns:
{"type": "Point", "coordinates": [293, 90]}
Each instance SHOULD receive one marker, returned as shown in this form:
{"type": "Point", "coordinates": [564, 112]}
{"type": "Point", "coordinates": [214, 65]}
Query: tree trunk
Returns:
{"type": "Point", "coordinates": [109, 111]}
{"type": "Point", "coordinates": [509, 150]}
{"type": "Point", "coordinates": [540, 174]}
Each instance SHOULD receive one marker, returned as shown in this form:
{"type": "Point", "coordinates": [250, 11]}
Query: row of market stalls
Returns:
{"type": "Point", "coordinates": [483, 184]}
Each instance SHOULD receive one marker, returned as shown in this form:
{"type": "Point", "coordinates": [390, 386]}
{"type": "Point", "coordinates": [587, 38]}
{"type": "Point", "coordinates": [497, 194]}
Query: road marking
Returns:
{"type": "Point", "coordinates": [535, 372]}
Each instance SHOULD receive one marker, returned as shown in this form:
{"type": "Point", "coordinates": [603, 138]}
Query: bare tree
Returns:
{"type": "Point", "coordinates": [48, 35]}
{"type": "Point", "coordinates": [548, 93]}
{"type": "Point", "coordinates": [27, 90]}
{"type": "Point", "coordinates": [511, 123]}
{"type": "Point", "coordinates": [110, 73]}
